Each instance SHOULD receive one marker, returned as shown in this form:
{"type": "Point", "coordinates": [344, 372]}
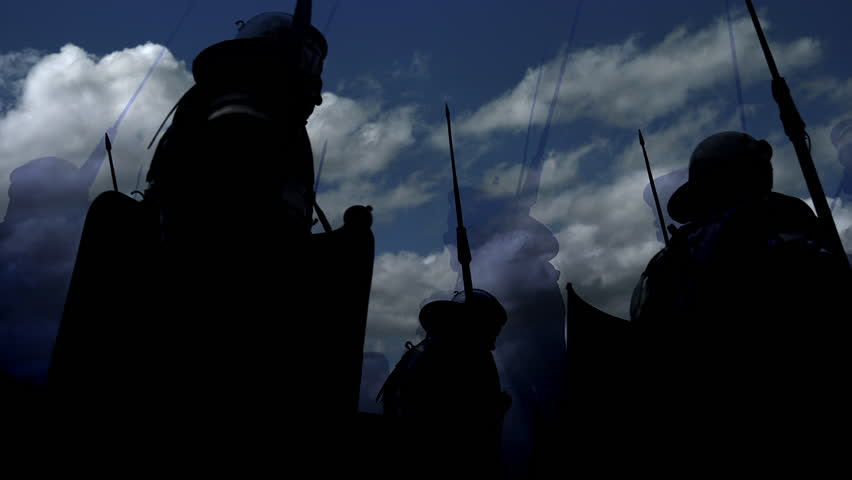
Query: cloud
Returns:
{"type": "Point", "coordinates": [364, 141]}
{"type": "Point", "coordinates": [558, 169]}
{"type": "Point", "coordinates": [625, 85]}
{"type": "Point", "coordinates": [362, 138]}
{"type": "Point", "coordinates": [830, 88]}
{"type": "Point", "coordinates": [64, 103]}
{"type": "Point", "coordinates": [387, 200]}
{"type": "Point", "coordinates": [70, 98]}
{"type": "Point", "coordinates": [13, 70]}
{"type": "Point", "coordinates": [401, 281]}
{"type": "Point", "coordinates": [417, 67]}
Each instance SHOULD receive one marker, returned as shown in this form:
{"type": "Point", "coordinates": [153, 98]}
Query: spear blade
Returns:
{"type": "Point", "coordinates": [111, 165]}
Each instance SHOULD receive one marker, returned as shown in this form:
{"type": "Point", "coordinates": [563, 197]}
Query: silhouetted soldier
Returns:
{"type": "Point", "coordinates": [203, 300]}
{"type": "Point", "coordinates": [446, 389]}
{"type": "Point", "coordinates": [233, 179]}
{"type": "Point", "coordinates": [736, 320]}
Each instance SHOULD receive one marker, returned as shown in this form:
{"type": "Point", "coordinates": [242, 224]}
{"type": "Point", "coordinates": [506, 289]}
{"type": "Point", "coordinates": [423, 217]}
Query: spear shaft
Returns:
{"type": "Point", "coordinates": [794, 127]}
{"type": "Point", "coordinates": [654, 190]}
{"type": "Point", "coordinates": [461, 233]}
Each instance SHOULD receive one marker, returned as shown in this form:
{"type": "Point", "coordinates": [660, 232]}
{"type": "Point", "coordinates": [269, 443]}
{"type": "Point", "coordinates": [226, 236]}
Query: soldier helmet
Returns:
{"type": "Point", "coordinates": [270, 43]}
{"type": "Point", "coordinates": [483, 315]}
{"type": "Point", "coordinates": [723, 167]}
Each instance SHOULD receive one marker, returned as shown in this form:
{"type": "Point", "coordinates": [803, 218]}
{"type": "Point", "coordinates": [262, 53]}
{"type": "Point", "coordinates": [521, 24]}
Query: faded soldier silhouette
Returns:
{"type": "Point", "coordinates": [48, 200]}
{"type": "Point", "coordinates": [738, 333]}
{"type": "Point", "coordinates": [841, 137]}
{"type": "Point", "coordinates": [511, 254]}
{"type": "Point", "coordinates": [374, 371]}
{"type": "Point", "coordinates": [39, 235]}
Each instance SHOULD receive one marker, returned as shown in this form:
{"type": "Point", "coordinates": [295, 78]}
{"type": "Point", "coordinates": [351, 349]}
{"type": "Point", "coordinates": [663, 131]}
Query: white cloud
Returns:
{"type": "Point", "coordinates": [417, 67]}
{"type": "Point", "coordinates": [625, 85]}
{"type": "Point", "coordinates": [13, 70]}
{"type": "Point", "coordinates": [401, 283]}
{"type": "Point", "coordinates": [831, 88]}
{"type": "Point", "coordinates": [386, 201]}
{"type": "Point", "coordinates": [362, 138]}
{"type": "Point", "coordinates": [558, 170]}
{"type": "Point", "coordinates": [70, 98]}
{"type": "Point", "coordinates": [363, 142]}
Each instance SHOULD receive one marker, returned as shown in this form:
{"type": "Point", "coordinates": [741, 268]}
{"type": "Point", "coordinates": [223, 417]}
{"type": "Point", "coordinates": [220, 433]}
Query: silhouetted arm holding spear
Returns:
{"type": "Point", "coordinates": [794, 127]}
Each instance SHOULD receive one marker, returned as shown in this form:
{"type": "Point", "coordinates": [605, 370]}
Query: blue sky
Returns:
{"type": "Point", "coordinates": [67, 69]}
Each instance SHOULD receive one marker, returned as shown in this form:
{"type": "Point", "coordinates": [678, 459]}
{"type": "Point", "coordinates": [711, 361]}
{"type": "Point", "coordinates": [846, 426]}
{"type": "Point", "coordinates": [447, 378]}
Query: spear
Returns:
{"type": "Point", "coordinates": [111, 166]}
{"type": "Point", "coordinates": [654, 189]}
{"type": "Point", "coordinates": [529, 191]}
{"type": "Point", "coordinates": [529, 129]}
{"type": "Point", "coordinates": [330, 18]}
{"type": "Point", "coordinates": [461, 233]}
{"type": "Point", "coordinates": [736, 66]}
{"type": "Point", "coordinates": [794, 127]}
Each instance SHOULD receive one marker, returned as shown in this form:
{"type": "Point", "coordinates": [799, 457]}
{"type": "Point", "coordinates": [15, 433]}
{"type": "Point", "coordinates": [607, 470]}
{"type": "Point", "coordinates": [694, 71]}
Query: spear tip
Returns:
{"type": "Point", "coordinates": [447, 109]}
{"type": "Point", "coordinates": [107, 142]}
{"type": "Point", "coordinates": [641, 139]}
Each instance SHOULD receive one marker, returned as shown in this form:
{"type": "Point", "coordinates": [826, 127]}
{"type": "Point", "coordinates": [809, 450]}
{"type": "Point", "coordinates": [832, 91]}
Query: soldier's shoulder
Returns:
{"type": "Point", "coordinates": [790, 211]}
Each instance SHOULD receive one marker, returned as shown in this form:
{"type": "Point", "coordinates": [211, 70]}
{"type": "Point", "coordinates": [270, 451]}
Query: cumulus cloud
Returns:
{"type": "Point", "coordinates": [70, 98]}
{"type": "Point", "coordinates": [51, 151]}
{"type": "Point", "coordinates": [626, 84]}
{"type": "Point", "coordinates": [365, 140]}
{"type": "Point", "coordinates": [362, 138]}
{"type": "Point", "coordinates": [830, 88]}
{"type": "Point", "coordinates": [387, 200]}
{"type": "Point", "coordinates": [13, 69]}
{"type": "Point", "coordinates": [558, 169]}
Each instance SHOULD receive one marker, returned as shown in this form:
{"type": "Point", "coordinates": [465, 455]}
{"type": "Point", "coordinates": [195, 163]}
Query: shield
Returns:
{"type": "Point", "coordinates": [104, 332]}
{"type": "Point", "coordinates": [597, 347]}
{"type": "Point", "coordinates": [342, 278]}
{"type": "Point", "coordinates": [598, 379]}
{"type": "Point", "coordinates": [117, 336]}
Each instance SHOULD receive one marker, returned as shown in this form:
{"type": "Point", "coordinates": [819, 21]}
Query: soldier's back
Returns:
{"type": "Point", "coordinates": [737, 331]}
